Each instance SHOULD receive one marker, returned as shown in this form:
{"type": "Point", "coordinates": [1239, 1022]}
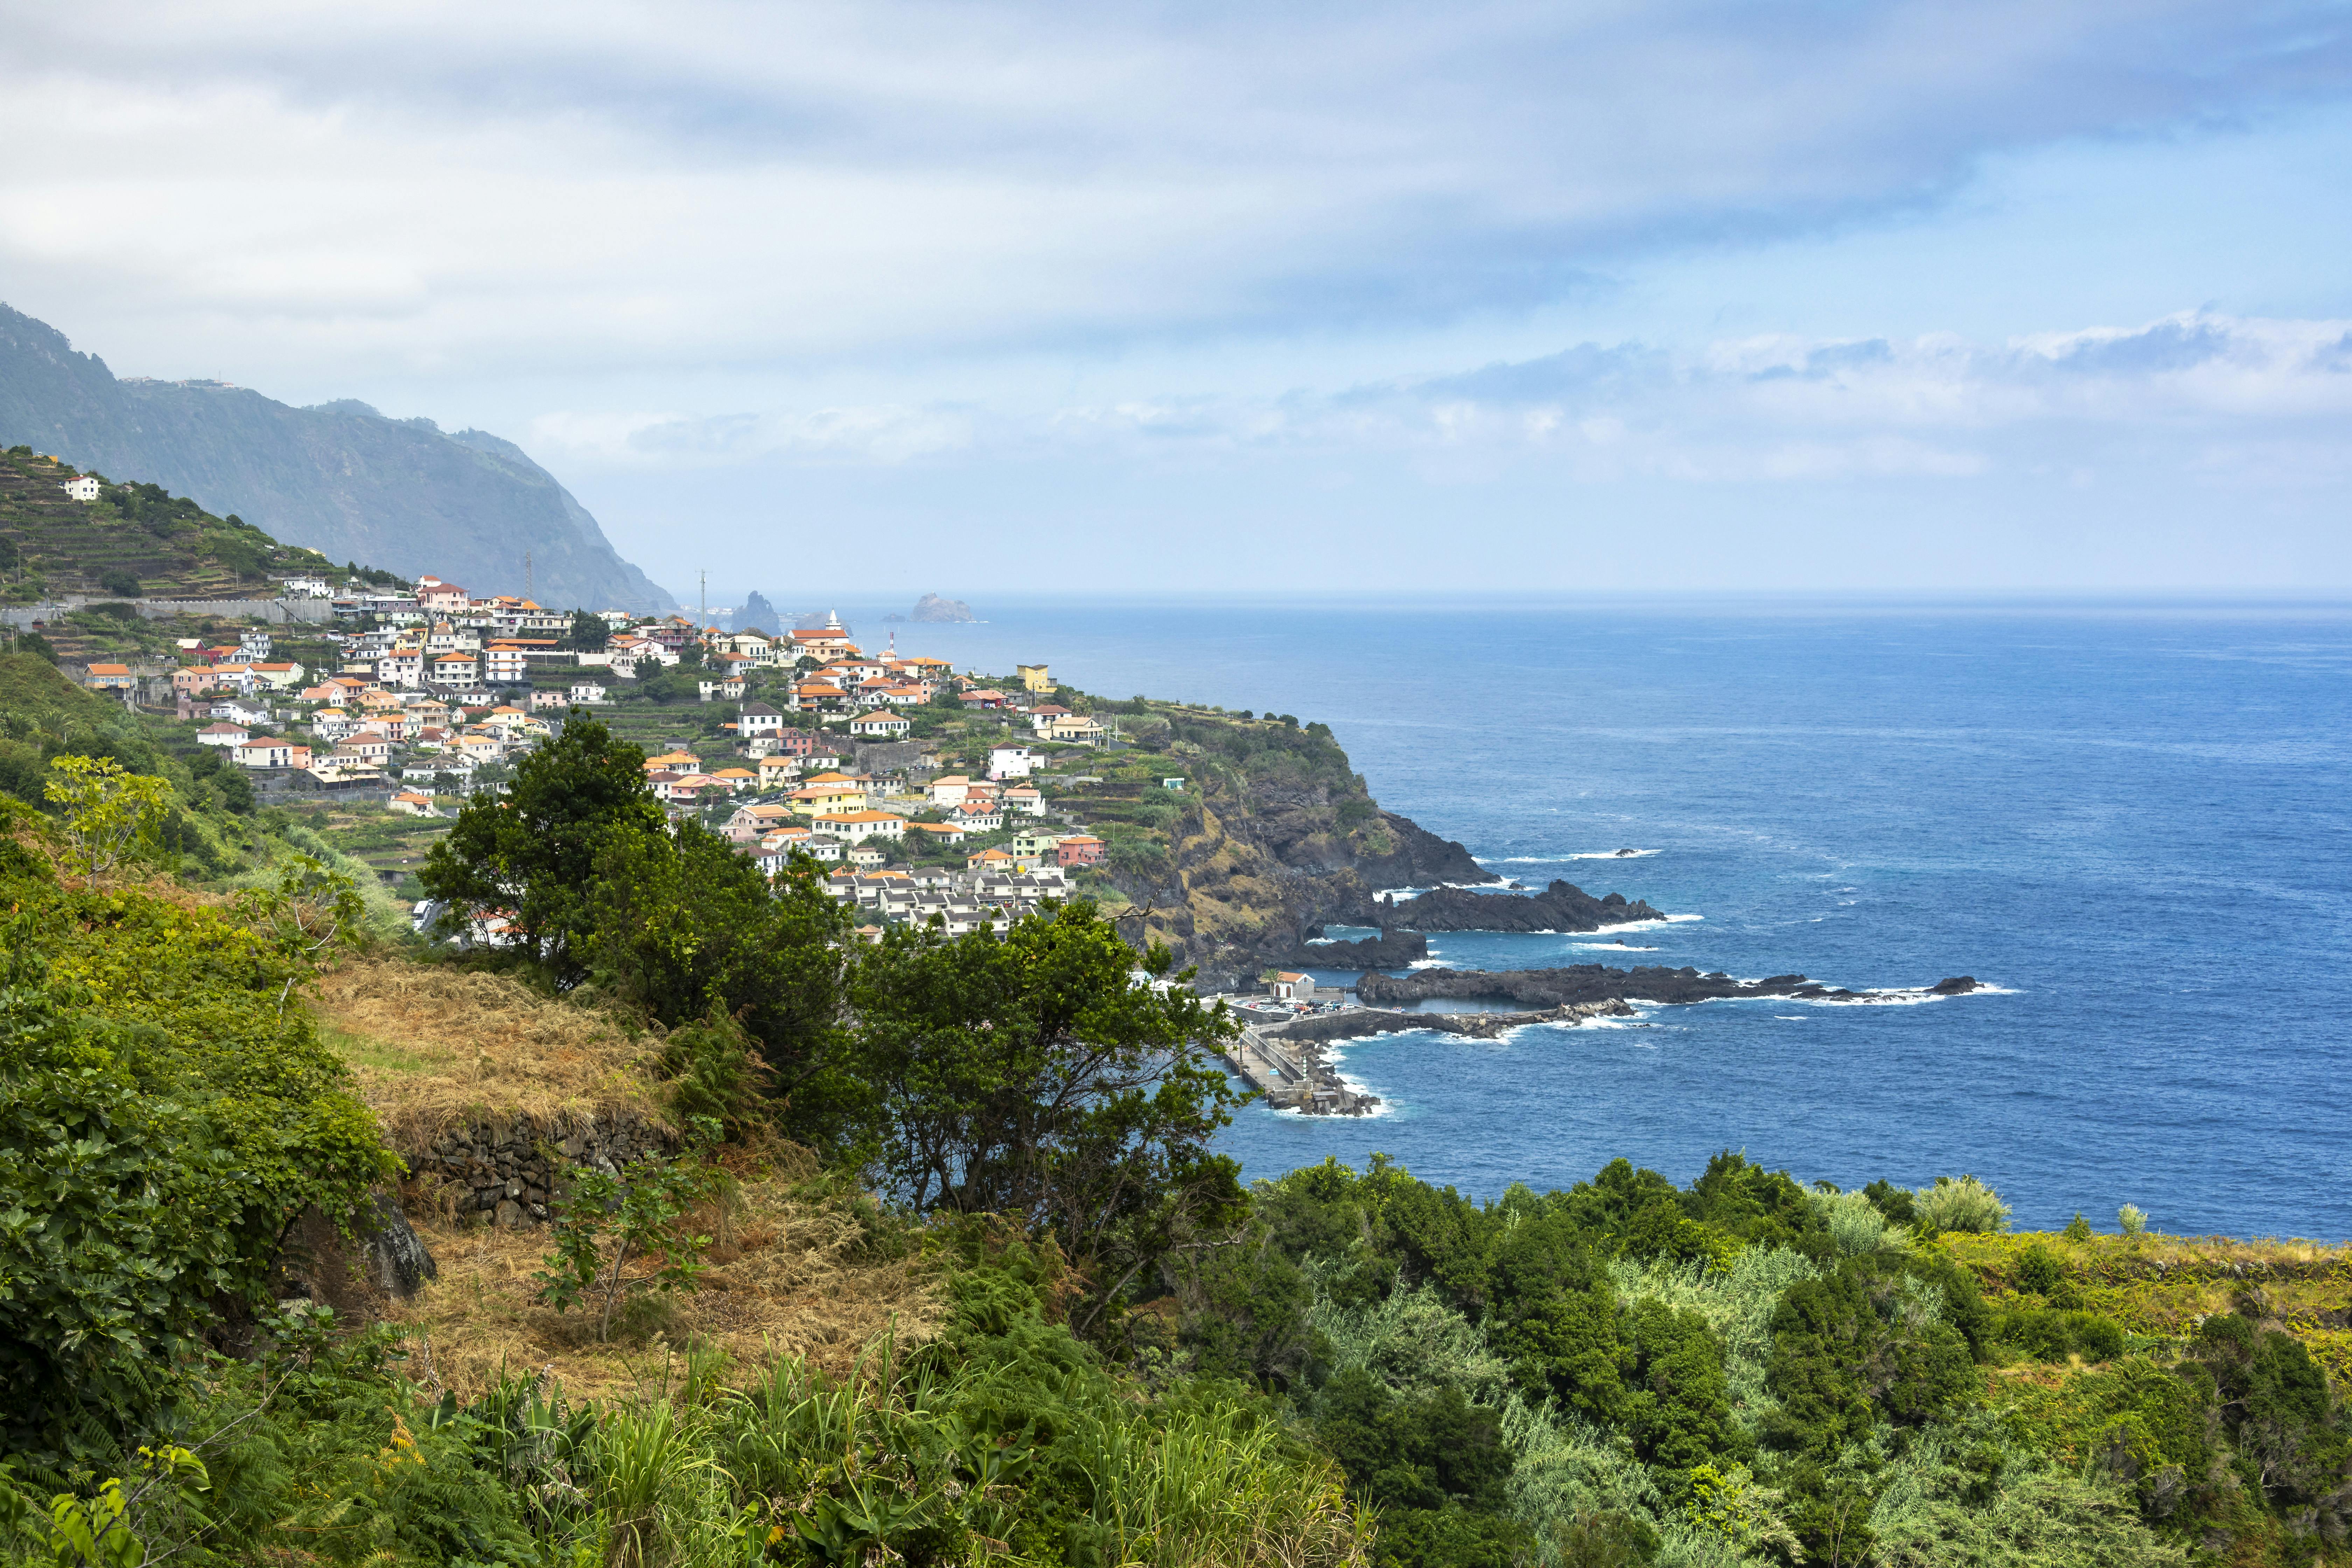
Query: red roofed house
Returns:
{"type": "Point", "coordinates": [110, 677]}
{"type": "Point", "coordinates": [1078, 849]}
{"type": "Point", "coordinates": [1287, 987]}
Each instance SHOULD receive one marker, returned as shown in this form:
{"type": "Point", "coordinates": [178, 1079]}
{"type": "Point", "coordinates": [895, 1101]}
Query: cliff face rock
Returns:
{"type": "Point", "coordinates": [1254, 864]}
{"type": "Point", "coordinates": [1563, 906]}
{"type": "Point", "coordinates": [401, 494]}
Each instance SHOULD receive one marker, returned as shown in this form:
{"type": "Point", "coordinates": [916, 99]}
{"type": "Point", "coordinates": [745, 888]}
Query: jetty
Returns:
{"type": "Point", "coordinates": [1292, 1074]}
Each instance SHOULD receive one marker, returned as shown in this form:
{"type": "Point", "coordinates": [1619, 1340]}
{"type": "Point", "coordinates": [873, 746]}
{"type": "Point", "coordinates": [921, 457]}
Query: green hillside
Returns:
{"type": "Point", "coordinates": [134, 540]}
{"type": "Point", "coordinates": [339, 477]}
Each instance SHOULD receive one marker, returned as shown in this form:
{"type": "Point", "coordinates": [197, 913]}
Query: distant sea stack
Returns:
{"type": "Point", "coordinates": [341, 478]}
{"type": "Point", "coordinates": [1563, 906]}
{"type": "Point", "coordinates": [932, 607]}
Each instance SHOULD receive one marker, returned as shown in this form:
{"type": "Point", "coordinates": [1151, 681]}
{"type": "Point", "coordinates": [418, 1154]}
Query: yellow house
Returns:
{"type": "Point", "coordinates": [1033, 677]}
{"type": "Point", "coordinates": [828, 793]}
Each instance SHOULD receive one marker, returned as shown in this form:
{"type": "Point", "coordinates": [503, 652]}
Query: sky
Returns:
{"type": "Point", "coordinates": [2042, 296]}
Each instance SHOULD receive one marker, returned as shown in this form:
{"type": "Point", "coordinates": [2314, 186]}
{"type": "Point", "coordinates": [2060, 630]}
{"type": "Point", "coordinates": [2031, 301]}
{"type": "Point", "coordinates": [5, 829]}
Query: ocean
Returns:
{"type": "Point", "coordinates": [2132, 821]}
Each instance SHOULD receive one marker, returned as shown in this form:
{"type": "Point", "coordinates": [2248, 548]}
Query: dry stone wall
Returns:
{"type": "Point", "coordinates": [509, 1170]}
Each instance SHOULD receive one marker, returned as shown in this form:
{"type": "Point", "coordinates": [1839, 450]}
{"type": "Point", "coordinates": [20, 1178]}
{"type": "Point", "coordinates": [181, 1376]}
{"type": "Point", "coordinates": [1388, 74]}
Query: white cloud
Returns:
{"type": "Point", "coordinates": [427, 187]}
{"type": "Point", "coordinates": [1777, 409]}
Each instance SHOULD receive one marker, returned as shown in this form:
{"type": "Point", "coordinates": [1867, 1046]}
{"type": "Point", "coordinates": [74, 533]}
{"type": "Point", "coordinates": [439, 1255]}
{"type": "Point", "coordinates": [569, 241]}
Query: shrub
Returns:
{"type": "Point", "coordinates": [1965, 1205]}
{"type": "Point", "coordinates": [2133, 1220]}
{"type": "Point", "coordinates": [115, 580]}
{"type": "Point", "coordinates": [2078, 1228]}
{"type": "Point", "coordinates": [2038, 1271]}
{"type": "Point", "coordinates": [1855, 1224]}
{"type": "Point", "coordinates": [2049, 1334]}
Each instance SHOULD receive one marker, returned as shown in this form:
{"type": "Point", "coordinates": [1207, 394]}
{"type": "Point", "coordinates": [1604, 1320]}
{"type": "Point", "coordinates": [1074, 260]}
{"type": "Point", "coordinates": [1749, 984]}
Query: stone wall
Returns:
{"type": "Point", "coordinates": [507, 1170]}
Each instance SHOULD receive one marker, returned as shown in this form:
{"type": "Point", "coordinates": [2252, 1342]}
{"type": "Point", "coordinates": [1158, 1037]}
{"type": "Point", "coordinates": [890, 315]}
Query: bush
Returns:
{"type": "Point", "coordinates": [1965, 1205]}
{"type": "Point", "coordinates": [2049, 1334]}
{"type": "Point", "coordinates": [2038, 1271]}
{"type": "Point", "coordinates": [2132, 1219]}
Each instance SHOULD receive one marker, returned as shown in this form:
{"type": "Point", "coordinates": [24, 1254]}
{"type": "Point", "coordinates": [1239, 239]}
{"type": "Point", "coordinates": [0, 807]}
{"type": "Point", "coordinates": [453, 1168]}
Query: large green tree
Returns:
{"type": "Point", "coordinates": [532, 851]}
{"type": "Point", "coordinates": [1034, 1075]}
{"type": "Point", "coordinates": [685, 927]}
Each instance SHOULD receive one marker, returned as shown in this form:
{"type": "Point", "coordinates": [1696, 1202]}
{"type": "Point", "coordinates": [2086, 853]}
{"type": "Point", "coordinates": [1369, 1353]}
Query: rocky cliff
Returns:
{"type": "Point", "coordinates": [1274, 836]}
{"type": "Point", "coordinates": [400, 494]}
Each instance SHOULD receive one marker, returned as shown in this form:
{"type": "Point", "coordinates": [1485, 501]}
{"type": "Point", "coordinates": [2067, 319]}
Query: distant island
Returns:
{"type": "Point", "coordinates": [932, 607]}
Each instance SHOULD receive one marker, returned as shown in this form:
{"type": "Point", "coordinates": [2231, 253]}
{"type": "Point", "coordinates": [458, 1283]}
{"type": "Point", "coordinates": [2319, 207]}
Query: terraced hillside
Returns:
{"type": "Point", "coordinates": [134, 541]}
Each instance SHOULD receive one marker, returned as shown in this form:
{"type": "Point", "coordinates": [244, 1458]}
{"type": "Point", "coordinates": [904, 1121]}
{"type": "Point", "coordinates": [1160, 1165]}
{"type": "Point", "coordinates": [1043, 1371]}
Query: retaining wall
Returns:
{"type": "Point", "coordinates": [508, 1169]}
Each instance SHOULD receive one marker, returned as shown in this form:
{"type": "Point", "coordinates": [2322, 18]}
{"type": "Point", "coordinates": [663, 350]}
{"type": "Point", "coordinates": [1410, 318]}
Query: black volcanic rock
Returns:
{"type": "Point", "coordinates": [1583, 982]}
{"type": "Point", "coordinates": [1421, 859]}
{"type": "Point", "coordinates": [1391, 949]}
{"type": "Point", "coordinates": [1562, 906]}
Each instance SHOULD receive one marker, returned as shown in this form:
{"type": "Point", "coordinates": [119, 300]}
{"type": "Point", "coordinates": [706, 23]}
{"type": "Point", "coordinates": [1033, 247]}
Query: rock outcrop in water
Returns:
{"type": "Point", "coordinates": [1563, 906]}
{"type": "Point", "coordinates": [1582, 983]}
{"type": "Point", "coordinates": [1390, 950]}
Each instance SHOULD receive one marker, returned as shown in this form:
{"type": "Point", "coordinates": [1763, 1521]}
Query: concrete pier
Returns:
{"type": "Point", "coordinates": [1292, 1076]}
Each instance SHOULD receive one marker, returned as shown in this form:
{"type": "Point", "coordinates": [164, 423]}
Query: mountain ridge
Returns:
{"type": "Point", "coordinates": [338, 476]}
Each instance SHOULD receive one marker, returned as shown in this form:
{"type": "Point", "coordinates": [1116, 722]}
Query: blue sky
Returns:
{"type": "Point", "coordinates": [2003, 296]}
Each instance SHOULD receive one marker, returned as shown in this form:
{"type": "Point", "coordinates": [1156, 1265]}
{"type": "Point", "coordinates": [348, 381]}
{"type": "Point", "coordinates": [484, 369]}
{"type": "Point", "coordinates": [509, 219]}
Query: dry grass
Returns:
{"type": "Point", "coordinates": [433, 1047]}
{"type": "Point", "coordinates": [785, 1280]}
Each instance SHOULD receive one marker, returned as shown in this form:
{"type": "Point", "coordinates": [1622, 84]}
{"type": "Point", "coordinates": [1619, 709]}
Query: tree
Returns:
{"type": "Point", "coordinates": [684, 926]}
{"type": "Point", "coordinates": [608, 1223]}
{"type": "Point", "coordinates": [1032, 1076]}
{"type": "Point", "coordinates": [588, 633]}
{"type": "Point", "coordinates": [110, 814]}
{"type": "Point", "coordinates": [532, 851]}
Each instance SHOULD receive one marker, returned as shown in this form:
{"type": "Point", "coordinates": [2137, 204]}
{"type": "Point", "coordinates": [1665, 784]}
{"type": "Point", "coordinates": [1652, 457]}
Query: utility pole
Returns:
{"type": "Point", "coordinates": [525, 576]}
{"type": "Point", "coordinates": [705, 606]}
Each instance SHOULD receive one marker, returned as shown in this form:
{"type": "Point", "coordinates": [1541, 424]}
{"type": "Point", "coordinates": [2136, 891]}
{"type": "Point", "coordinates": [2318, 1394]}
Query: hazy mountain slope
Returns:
{"type": "Point", "coordinates": [339, 477]}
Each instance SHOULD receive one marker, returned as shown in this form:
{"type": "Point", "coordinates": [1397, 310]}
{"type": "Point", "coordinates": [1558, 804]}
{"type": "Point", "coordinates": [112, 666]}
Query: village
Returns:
{"type": "Point", "coordinates": [924, 796]}
{"type": "Point", "coordinates": [825, 749]}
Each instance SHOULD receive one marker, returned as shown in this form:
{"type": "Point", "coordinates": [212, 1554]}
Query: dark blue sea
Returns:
{"type": "Point", "coordinates": [2133, 821]}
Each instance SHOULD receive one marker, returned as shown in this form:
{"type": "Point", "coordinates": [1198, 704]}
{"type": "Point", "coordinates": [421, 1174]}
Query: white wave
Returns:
{"type": "Point", "coordinates": [1564, 859]}
{"type": "Point", "coordinates": [1608, 947]}
{"type": "Point", "coordinates": [1890, 997]}
{"type": "Point", "coordinates": [1677, 919]}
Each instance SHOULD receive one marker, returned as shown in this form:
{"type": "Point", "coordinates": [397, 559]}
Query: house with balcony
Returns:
{"type": "Point", "coordinates": [881, 726]}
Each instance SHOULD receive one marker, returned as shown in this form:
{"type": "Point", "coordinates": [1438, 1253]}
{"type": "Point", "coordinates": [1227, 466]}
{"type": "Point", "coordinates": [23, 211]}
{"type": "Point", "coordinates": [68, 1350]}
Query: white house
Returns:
{"type": "Point", "coordinates": [884, 725]}
{"type": "Point", "coordinates": [408, 803]}
{"type": "Point", "coordinates": [1287, 987]}
{"type": "Point", "coordinates": [82, 489]}
{"type": "Point", "coordinates": [1010, 761]}
{"type": "Point", "coordinates": [727, 687]}
{"type": "Point", "coordinates": [587, 692]}
{"type": "Point", "coordinates": [223, 735]}
{"type": "Point", "coordinates": [265, 751]}
{"type": "Point", "coordinates": [756, 719]}
{"type": "Point", "coordinates": [856, 827]}
{"type": "Point", "coordinates": [308, 588]}
{"type": "Point", "coordinates": [1023, 799]}
{"type": "Point", "coordinates": [950, 790]}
